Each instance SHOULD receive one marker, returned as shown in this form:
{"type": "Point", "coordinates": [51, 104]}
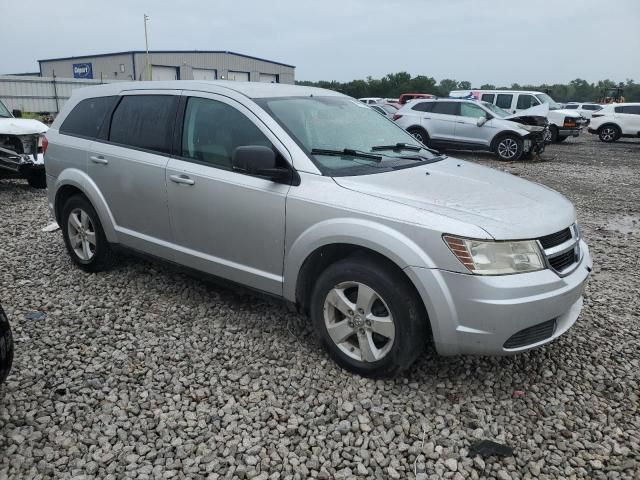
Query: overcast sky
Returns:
{"type": "Point", "coordinates": [490, 41]}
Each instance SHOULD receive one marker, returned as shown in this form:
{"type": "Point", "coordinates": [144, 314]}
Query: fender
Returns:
{"type": "Point", "coordinates": [84, 183]}
{"type": "Point", "coordinates": [394, 245]}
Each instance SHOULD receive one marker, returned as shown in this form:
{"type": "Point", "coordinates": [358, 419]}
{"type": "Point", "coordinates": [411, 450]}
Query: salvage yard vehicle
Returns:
{"type": "Point", "coordinates": [311, 196]}
{"type": "Point", "coordinates": [584, 109]}
{"type": "Point", "coordinates": [6, 346]}
{"type": "Point", "coordinates": [21, 148]}
{"type": "Point", "coordinates": [475, 125]}
{"type": "Point", "coordinates": [562, 123]}
{"type": "Point", "coordinates": [616, 121]}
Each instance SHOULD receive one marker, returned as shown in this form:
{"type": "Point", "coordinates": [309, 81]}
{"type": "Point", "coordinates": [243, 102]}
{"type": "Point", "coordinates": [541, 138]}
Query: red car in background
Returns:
{"type": "Point", "coordinates": [405, 97]}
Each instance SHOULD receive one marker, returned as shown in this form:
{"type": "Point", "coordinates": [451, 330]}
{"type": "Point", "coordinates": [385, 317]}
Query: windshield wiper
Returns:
{"type": "Point", "coordinates": [397, 146]}
{"type": "Point", "coordinates": [346, 151]}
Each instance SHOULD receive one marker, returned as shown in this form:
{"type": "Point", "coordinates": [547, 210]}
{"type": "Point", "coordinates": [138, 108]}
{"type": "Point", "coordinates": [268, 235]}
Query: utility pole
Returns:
{"type": "Point", "coordinates": [146, 45]}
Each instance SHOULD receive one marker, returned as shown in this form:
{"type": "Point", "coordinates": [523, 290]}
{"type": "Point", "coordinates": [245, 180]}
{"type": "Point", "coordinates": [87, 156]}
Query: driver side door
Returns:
{"type": "Point", "coordinates": [467, 129]}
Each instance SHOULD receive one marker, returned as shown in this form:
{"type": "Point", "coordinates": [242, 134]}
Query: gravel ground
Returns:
{"type": "Point", "coordinates": [144, 372]}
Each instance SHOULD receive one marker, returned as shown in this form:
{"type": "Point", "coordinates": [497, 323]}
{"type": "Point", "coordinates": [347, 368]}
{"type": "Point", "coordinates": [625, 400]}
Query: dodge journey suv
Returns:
{"type": "Point", "coordinates": [311, 196]}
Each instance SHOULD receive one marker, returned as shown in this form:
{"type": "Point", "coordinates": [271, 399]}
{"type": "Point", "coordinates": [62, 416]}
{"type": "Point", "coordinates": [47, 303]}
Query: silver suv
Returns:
{"type": "Point", "coordinates": [313, 197]}
{"type": "Point", "coordinates": [475, 125]}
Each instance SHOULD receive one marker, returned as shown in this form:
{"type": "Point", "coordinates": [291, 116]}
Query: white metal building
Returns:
{"type": "Point", "coordinates": [169, 65]}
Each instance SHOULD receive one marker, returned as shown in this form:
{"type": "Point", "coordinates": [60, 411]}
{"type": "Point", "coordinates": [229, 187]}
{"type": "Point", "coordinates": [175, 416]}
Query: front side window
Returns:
{"type": "Point", "coordinates": [497, 111]}
{"type": "Point", "coordinates": [593, 108]}
{"type": "Point", "coordinates": [212, 130]}
{"type": "Point", "coordinates": [144, 121]}
{"type": "Point", "coordinates": [336, 123]}
{"type": "Point", "coordinates": [575, 107]}
{"type": "Point", "coordinates": [504, 100]}
{"type": "Point", "coordinates": [472, 111]}
{"type": "Point", "coordinates": [446, 108]}
{"type": "Point", "coordinates": [526, 101]}
{"type": "Point", "coordinates": [87, 117]}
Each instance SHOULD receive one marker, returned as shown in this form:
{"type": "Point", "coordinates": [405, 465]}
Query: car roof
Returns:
{"type": "Point", "coordinates": [249, 89]}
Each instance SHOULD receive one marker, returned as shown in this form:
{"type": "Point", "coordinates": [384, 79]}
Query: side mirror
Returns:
{"type": "Point", "coordinates": [17, 113]}
{"type": "Point", "coordinates": [258, 160]}
{"type": "Point", "coordinates": [481, 121]}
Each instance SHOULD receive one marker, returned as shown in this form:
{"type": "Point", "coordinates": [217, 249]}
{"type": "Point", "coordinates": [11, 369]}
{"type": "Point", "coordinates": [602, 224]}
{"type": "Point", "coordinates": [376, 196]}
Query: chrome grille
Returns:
{"type": "Point", "coordinates": [562, 249]}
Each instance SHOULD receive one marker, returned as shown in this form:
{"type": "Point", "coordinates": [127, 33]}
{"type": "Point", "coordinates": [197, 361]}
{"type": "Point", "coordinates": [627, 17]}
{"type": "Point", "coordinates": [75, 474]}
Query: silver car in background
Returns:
{"type": "Point", "coordinates": [311, 196]}
{"type": "Point", "coordinates": [475, 125]}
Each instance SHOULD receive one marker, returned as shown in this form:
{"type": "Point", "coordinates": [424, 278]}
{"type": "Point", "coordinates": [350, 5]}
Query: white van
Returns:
{"type": "Point", "coordinates": [562, 123]}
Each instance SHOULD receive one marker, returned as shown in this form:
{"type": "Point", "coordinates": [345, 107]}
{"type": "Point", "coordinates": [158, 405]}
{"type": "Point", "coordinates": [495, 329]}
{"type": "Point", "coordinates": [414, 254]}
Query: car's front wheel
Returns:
{"type": "Point", "coordinates": [6, 346]}
{"type": "Point", "coordinates": [84, 237]}
{"type": "Point", "coordinates": [509, 148]}
{"type": "Point", "coordinates": [419, 134]}
{"type": "Point", "coordinates": [608, 133]}
{"type": "Point", "coordinates": [368, 317]}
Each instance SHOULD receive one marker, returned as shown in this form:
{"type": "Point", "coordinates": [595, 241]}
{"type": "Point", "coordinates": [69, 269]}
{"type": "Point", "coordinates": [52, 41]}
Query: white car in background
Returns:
{"type": "Point", "coordinates": [615, 121]}
{"type": "Point", "coordinates": [563, 123]}
{"type": "Point", "coordinates": [584, 109]}
{"type": "Point", "coordinates": [371, 100]}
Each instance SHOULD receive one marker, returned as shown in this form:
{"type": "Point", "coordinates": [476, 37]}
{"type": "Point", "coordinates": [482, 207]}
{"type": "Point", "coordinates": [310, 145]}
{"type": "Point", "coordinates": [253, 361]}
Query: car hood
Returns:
{"type": "Point", "coordinates": [568, 113]}
{"type": "Point", "coordinates": [21, 126]}
{"type": "Point", "coordinates": [505, 206]}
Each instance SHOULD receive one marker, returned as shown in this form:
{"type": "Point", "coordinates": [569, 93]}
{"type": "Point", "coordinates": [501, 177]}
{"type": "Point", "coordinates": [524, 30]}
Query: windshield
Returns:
{"type": "Point", "coordinates": [4, 112]}
{"type": "Point", "coordinates": [339, 123]}
{"type": "Point", "coordinates": [499, 112]}
{"type": "Point", "coordinates": [544, 98]}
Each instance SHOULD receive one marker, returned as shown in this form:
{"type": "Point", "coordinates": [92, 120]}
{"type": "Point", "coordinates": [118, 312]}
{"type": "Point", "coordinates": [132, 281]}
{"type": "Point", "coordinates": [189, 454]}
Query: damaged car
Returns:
{"type": "Point", "coordinates": [469, 124]}
{"type": "Point", "coordinates": [21, 148]}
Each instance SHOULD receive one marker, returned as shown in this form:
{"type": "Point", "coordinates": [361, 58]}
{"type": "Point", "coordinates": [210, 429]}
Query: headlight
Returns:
{"type": "Point", "coordinates": [484, 257]}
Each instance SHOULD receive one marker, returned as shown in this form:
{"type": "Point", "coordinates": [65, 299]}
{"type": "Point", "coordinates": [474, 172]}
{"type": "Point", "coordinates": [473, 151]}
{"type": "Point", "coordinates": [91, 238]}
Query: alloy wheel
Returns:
{"type": "Point", "coordinates": [418, 136]}
{"type": "Point", "coordinates": [508, 148]}
{"type": "Point", "coordinates": [82, 234]}
{"type": "Point", "coordinates": [359, 321]}
{"type": "Point", "coordinates": [608, 134]}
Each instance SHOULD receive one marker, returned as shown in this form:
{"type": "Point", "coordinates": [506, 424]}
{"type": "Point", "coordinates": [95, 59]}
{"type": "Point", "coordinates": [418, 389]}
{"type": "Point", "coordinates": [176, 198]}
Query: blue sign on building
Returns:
{"type": "Point", "coordinates": [82, 70]}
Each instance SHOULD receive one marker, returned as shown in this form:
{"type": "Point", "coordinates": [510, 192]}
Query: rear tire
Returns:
{"type": "Point", "coordinates": [84, 237]}
{"type": "Point", "coordinates": [420, 134]}
{"type": "Point", "coordinates": [384, 327]}
{"type": "Point", "coordinates": [553, 134]}
{"type": "Point", "coordinates": [508, 148]}
{"type": "Point", "coordinates": [37, 180]}
{"type": "Point", "coordinates": [6, 346]}
{"type": "Point", "coordinates": [608, 133]}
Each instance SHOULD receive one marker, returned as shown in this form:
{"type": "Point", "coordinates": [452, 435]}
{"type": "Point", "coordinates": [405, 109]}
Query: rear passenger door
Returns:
{"type": "Point", "coordinates": [442, 122]}
{"type": "Point", "coordinates": [225, 222]}
{"type": "Point", "coordinates": [128, 166]}
{"type": "Point", "coordinates": [630, 119]}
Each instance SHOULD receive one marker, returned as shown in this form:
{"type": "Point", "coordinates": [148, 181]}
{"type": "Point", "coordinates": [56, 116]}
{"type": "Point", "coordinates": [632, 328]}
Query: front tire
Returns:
{"type": "Point", "coordinates": [608, 133]}
{"type": "Point", "coordinates": [509, 148]}
{"type": "Point", "coordinates": [552, 135]}
{"type": "Point", "coordinates": [84, 237]}
{"type": "Point", "coordinates": [6, 346]}
{"type": "Point", "coordinates": [420, 135]}
{"type": "Point", "coordinates": [368, 317]}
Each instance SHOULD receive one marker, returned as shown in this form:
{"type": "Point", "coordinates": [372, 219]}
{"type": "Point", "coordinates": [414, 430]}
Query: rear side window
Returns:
{"type": "Point", "coordinates": [144, 121]}
{"type": "Point", "coordinates": [488, 97]}
{"type": "Point", "coordinates": [87, 117]}
{"type": "Point", "coordinates": [592, 107]}
{"type": "Point", "coordinates": [575, 107]}
{"type": "Point", "coordinates": [445, 108]}
{"type": "Point", "coordinates": [504, 100]}
{"type": "Point", "coordinates": [632, 109]}
{"type": "Point", "coordinates": [423, 106]}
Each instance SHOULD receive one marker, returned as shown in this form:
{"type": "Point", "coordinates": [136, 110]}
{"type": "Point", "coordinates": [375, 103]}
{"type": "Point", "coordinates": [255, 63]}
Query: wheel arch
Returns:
{"type": "Point", "coordinates": [611, 124]}
{"type": "Point", "coordinates": [72, 182]}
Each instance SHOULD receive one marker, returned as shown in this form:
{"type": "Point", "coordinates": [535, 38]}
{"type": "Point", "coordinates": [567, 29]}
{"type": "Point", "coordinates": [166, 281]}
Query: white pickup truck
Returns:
{"type": "Point", "coordinates": [563, 123]}
{"type": "Point", "coordinates": [21, 148]}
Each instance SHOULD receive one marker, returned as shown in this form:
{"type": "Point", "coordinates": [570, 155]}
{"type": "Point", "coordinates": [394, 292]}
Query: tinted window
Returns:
{"type": "Point", "coordinates": [213, 130]}
{"type": "Point", "coordinates": [144, 121]}
{"type": "Point", "coordinates": [504, 100]}
{"type": "Point", "coordinates": [632, 109]}
{"type": "Point", "coordinates": [574, 107]}
{"type": "Point", "coordinates": [423, 106]}
{"type": "Point", "coordinates": [471, 110]}
{"type": "Point", "coordinates": [87, 116]}
{"type": "Point", "coordinates": [592, 107]}
{"type": "Point", "coordinates": [445, 108]}
{"type": "Point", "coordinates": [488, 97]}
{"type": "Point", "coordinates": [526, 101]}
{"type": "Point", "coordinates": [619, 109]}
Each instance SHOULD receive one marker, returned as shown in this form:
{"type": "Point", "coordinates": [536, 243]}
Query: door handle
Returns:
{"type": "Point", "coordinates": [182, 179]}
{"type": "Point", "coordinates": [98, 159]}
{"type": "Point", "coordinates": [460, 121]}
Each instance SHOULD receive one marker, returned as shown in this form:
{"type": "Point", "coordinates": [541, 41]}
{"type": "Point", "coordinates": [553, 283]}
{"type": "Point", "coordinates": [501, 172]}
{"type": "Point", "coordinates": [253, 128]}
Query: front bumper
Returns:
{"type": "Point", "coordinates": [474, 314]}
{"type": "Point", "coordinates": [569, 132]}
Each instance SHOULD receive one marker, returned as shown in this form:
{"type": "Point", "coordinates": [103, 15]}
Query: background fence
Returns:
{"type": "Point", "coordinates": [40, 94]}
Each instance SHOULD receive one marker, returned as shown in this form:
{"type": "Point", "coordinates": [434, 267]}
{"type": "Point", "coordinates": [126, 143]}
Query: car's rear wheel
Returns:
{"type": "Point", "coordinates": [6, 346]}
{"type": "Point", "coordinates": [368, 317]}
{"type": "Point", "coordinates": [608, 133]}
{"type": "Point", "coordinates": [84, 237]}
{"type": "Point", "coordinates": [509, 148]}
{"type": "Point", "coordinates": [37, 179]}
{"type": "Point", "coordinates": [551, 134]}
{"type": "Point", "coordinates": [419, 134]}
